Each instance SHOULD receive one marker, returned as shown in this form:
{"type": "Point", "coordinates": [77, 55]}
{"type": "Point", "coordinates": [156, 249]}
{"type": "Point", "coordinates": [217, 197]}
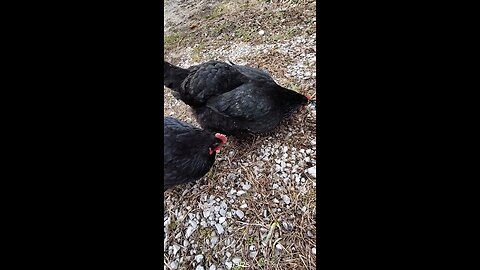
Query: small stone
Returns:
{"type": "Point", "coordinates": [275, 186]}
{"type": "Point", "coordinates": [286, 199]}
{"type": "Point", "coordinates": [206, 213]}
{"type": "Point", "coordinates": [243, 206]}
{"type": "Point", "coordinates": [275, 200]}
{"type": "Point", "coordinates": [214, 240]}
{"type": "Point", "coordinates": [246, 186]}
{"type": "Point", "coordinates": [219, 228]}
{"type": "Point", "coordinates": [279, 246]}
{"type": "Point", "coordinates": [261, 32]}
{"type": "Point", "coordinates": [199, 267]}
{"type": "Point", "coordinates": [221, 220]}
{"type": "Point", "coordinates": [240, 192]}
{"type": "Point", "coordinates": [199, 258]}
{"type": "Point", "coordinates": [227, 264]}
{"type": "Point", "coordinates": [236, 260]}
{"type": "Point", "coordinates": [314, 251]}
{"type": "Point", "coordinates": [240, 214]}
{"type": "Point", "coordinates": [222, 212]}
{"type": "Point", "coordinates": [252, 248]}
{"type": "Point", "coordinates": [176, 248]}
{"type": "Point", "coordinates": [174, 265]}
{"type": "Point", "coordinates": [212, 267]}
{"type": "Point", "coordinates": [189, 231]}
{"type": "Point", "coordinates": [253, 254]}
{"type": "Point", "coordinates": [312, 171]}
{"type": "Point", "coordinates": [287, 226]}
{"type": "Point", "coordinates": [193, 223]}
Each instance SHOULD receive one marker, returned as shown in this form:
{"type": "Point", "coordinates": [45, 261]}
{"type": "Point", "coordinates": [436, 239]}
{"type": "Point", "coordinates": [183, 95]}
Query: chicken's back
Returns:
{"type": "Point", "coordinates": [185, 152]}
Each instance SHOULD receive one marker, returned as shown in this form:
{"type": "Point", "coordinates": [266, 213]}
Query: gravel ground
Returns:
{"type": "Point", "coordinates": [256, 208]}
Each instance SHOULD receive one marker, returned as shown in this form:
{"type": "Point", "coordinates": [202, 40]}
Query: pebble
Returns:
{"type": "Point", "coordinates": [189, 231]}
{"type": "Point", "coordinates": [314, 251]}
{"type": "Point", "coordinates": [214, 240]}
{"type": "Point", "coordinates": [221, 220]}
{"type": "Point", "coordinates": [261, 32]}
{"type": "Point", "coordinates": [286, 199]}
{"type": "Point", "coordinates": [199, 267]}
{"type": "Point", "coordinates": [176, 248]}
{"type": "Point", "coordinates": [236, 260]}
{"type": "Point", "coordinates": [219, 228]}
{"type": "Point", "coordinates": [246, 187]}
{"type": "Point", "coordinates": [212, 267]}
{"type": "Point", "coordinates": [312, 171]}
{"type": "Point", "coordinates": [243, 206]}
{"type": "Point", "coordinates": [199, 258]}
{"type": "Point", "coordinates": [240, 214]}
{"type": "Point", "coordinates": [228, 265]}
{"type": "Point", "coordinates": [240, 192]}
{"type": "Point", "coordinates": [174, 265]}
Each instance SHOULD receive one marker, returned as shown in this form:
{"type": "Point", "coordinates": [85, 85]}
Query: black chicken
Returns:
{"type": "Point", "coordinates": [189, 152]}
{"type": "Point", "coordinates": [231, 98]}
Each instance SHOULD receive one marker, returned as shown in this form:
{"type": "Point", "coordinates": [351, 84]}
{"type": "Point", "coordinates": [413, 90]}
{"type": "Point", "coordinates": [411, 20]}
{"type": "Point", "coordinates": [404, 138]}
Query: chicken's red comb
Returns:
{"type": "Point", "coordinates": [308, 97]}
{"type": "Point", "coordinates": [221, 137]}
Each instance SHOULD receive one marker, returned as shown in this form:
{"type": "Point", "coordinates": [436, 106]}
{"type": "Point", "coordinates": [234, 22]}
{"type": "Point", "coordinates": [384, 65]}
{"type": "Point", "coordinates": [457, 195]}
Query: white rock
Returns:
{"type": "Point", "coordinates": [312, 171]}
{"type": "Point", "coordinates": [314, 251]}
{"type": "Point", "coordinates": [243, 206]}
{"type": "Point", "coordinates": [240, 192]}
{"type": "Point", "coordinates": [246, 186]}
{"type": "Point", "coordinates": [240, 214]}
{"type": "Point", "coordinates": [199, 258]}
{"type": "Point", "coordinates": [219, 228]}
{"type": "Point", "coordinates": [236, 260]}
{"type": "Point", "coordinates": [176, 248]}
{"type": "Point", "coordinates": [275, 200]}
{"type": "Point", "coordinates": [214, 240]}
{"type": "Point", "coordinates": [227, 264]}
{"type": "Point", "coordinates": [189, 231]}
{"type": "Point", "coordinates": [261, 32]}
{"type": "Point", "coordinates": [212, 267]}
{"type": "Point", "coordinates": [193, 223]}
{"type": "Point", "coordinates": [206, 213]}
{"type": "Point", "coordinates": [174, 265]}
{"type": "Point", "coordinates": [221, 220]}
{"type": "Point", "coordinates": [286, 199]}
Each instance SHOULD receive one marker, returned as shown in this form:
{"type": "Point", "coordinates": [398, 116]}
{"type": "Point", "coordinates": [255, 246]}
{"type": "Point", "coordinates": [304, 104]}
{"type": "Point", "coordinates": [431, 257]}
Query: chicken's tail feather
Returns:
{"type": "Point", "coordinates": [173, 76]}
